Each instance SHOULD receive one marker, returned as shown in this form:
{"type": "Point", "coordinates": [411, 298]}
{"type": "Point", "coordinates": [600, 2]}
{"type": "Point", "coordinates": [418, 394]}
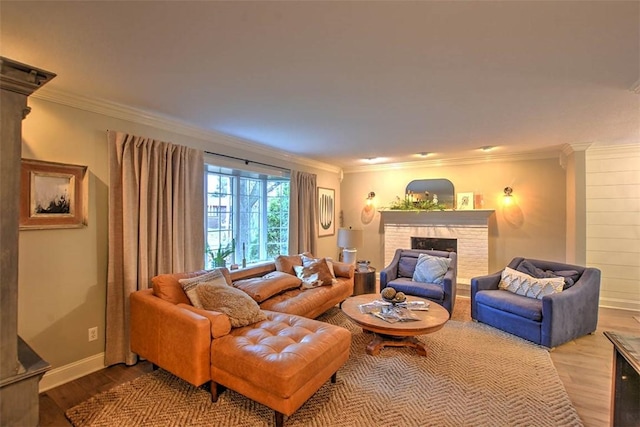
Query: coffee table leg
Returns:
{"type": "Point", "coordinates": [380, 341]}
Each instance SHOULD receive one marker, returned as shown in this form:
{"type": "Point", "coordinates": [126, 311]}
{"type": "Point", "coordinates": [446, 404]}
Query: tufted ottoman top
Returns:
{"type": "Point", "coordinates": [279, 354]}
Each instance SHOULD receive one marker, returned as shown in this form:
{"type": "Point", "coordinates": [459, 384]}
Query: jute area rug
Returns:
{"type": "Point", "coordinates": [474, 376]}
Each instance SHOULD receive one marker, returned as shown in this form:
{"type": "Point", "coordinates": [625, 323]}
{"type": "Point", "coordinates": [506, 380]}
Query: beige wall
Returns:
{"type": "Point", "coordinates": [62, 273]}
{"type": "Point", "coordinates": [536, 228]}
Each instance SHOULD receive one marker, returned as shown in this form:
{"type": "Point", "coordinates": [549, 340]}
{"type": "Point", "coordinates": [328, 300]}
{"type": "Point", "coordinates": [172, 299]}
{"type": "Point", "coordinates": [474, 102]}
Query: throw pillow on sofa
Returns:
{"type": "Point", "coordinates": [191, 284]}
{"type": "Point", "coordinates": [431, 269]}
{"type": "Point", "coordinates": [523, 284]}
{"type": "Point", "coordinates": [285, 263]}
{"type": "Point", "coordinates": [569, 276]}
{"type": "Point", "coordinates": [241, 309]}
{"type": "Point", "coordinates": [315, 274]}
{"type": "Point", "coordinates": [307, 261]}
{"type": "Point", "coordinates": [263, 288]}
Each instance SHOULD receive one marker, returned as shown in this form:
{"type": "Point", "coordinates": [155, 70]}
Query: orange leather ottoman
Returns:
{"type": "Point", "coordinates": [279, 362]}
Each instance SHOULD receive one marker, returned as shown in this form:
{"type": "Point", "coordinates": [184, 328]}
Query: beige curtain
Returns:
{"type": "Point", "coordinates": [156, 224]}
{"type": "Point", "coordinates": [302, 213]}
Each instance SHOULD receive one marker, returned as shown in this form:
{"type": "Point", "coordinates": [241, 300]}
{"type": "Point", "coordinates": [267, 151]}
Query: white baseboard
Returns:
{"type": "Point", "coordinates": [620, 304]}
{"type": "Point", "coordinates": [72, 371]}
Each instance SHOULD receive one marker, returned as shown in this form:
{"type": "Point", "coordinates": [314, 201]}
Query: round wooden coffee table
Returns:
{"type": "Point", "coordinates": [398, 334]}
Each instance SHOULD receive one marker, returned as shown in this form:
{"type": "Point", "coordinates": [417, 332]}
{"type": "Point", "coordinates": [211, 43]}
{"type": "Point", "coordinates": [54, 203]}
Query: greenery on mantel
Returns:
{"type": "Point", "coordinates": [408, 204]}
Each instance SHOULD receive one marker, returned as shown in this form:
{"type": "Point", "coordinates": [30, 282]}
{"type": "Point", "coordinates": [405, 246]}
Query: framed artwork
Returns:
{"type": "Point", "coordinates": [326, 212]}
{"type": "Point", "coordinates": [465, 201]}
{"type": "Point", "coordinates": [52, 195]}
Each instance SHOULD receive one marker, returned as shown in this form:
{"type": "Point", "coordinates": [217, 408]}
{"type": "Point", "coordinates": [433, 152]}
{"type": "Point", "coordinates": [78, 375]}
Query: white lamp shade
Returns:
{"type": "Point", "coordinates": [349, 238]}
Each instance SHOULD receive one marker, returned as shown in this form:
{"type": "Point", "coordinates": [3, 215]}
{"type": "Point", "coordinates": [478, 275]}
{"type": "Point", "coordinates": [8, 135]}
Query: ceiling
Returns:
{"type": "Point", "coordinates": [339, 82]}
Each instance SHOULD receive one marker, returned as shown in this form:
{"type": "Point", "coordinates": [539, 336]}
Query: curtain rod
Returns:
{"type": "Point", "coordinates": [247, 161]}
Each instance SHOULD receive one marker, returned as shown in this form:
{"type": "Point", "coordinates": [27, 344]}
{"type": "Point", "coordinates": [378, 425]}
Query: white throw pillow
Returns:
{"type": "Point", "coordinates": [522, 284]}
{"type": "Point", "coordinates": [431, 269]}
{"type": "Point", "coordinates": [189, 285]}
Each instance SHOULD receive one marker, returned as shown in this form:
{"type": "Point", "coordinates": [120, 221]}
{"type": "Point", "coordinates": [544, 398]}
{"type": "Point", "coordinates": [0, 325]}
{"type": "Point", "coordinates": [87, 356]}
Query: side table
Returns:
{"type": "Point", "coordinates": [364, 281]}
{"type": "Point", "coordinates": [625, 384]}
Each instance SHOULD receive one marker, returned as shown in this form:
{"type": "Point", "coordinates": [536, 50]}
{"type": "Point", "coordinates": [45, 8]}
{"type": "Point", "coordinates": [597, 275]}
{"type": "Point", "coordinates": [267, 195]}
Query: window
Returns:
{"type": "Point", "coordinates": [247, 216]}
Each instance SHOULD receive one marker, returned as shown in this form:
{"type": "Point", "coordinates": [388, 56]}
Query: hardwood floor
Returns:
{"type": "Point", "coordinates": [584, 365]}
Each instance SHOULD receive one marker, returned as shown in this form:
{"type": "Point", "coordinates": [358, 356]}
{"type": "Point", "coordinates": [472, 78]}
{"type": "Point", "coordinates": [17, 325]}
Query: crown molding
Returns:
{"type": "Point", "coordinates": [614, 151]}
{"type": "Point", "coordinates": [458, 161]}
{"type": "Point", "coordinates": [119, 111]}
{"type": "Point", "coordinates": [568, 149]}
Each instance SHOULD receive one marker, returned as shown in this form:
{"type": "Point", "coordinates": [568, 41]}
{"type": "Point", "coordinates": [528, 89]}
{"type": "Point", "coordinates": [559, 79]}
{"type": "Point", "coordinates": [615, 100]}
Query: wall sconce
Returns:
{"type": "Point", "coordinates": [507, 198]}
{"type": "Point", "coordinates": [370, 198]}
{"type": "Point", "coordinates": [369, 209]}
{"type": "Point", "coordinates": [348, 240]}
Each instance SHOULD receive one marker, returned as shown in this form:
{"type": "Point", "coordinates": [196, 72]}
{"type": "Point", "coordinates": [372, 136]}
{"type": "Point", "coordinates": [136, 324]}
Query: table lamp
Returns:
{"type": "Point", "coordinates": [348, 240]}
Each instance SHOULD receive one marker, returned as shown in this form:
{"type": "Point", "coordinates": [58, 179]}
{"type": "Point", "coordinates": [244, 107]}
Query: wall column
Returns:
{"type": "Point", "coordinates": [574, 161]}
{"type": "Point", "coordinates": [20, 367]}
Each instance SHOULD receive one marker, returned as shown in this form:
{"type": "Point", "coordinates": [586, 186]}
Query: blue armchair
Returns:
{"type": "Point", "coordinates": [550, 321]}
{"type": "Point", "coordinates": [399, 275]}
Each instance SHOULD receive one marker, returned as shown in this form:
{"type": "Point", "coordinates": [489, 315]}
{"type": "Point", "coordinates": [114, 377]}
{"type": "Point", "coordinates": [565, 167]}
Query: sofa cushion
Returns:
{"type": "Point", "coordinates": [423, 290]}
{"type": "Point", "coordinates": [342, 269]}
{"type": "Point", "coordinates": [282, 354]}
{"type": "Point", "coordinates": [569, 276]}
{"type": "Point", "coordinates": [190, 285]}
{"type": "Point", "coordinates": [406, 266]}
{"type": "Point", "coordinates": [431, 269]}
{"type": "Point", "coordinates": [315, 273]}
{"type": "Point", "coordinates": [529, 308]}
{"type": "Point", "coordinates": [262, 288]}
{"type": "Point", "coordinates": [167, 287]}
{"type": "Point", "coordinates": [241, 309]}
{"type": "Point", "coordinates": [522, 284]}
{"type": "Point", "coordinates": [285, 263]}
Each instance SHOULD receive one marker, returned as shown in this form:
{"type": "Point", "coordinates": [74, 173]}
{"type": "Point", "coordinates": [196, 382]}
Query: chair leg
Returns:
{"type": "Point", "coordinates": [215, 389]}
{"type": "Point", "coordinates": [279, 419]}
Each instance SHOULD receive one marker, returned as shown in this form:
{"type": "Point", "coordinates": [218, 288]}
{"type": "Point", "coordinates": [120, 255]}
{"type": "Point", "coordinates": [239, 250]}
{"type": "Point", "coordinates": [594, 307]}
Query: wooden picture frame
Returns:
{"type": "Point", "coordinates": [326, 212]}
{"type": "Point", "coordinates": [52, 195]}
{"type": "Point", "coordinates": [464, 201]}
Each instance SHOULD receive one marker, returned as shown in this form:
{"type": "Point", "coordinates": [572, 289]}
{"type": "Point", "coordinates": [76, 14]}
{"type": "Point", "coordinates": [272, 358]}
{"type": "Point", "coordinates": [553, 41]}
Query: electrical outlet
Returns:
{"type": "Point", "coordinates": [93, 333]}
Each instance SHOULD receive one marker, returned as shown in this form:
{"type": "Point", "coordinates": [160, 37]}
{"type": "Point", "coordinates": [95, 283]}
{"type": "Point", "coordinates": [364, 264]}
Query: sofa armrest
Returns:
{"type": "Point", "coordinates": [572, 312]}
{"type": "Point", "coordinates": [342, 269]}
{"type": "Point", "coordinates": [390, 272]}
{"type": "Point", "coordinates": [483, 283]}
{"type": "Point", "coordinates": [171, 337]}
{"type": "Point", "coordinates": [220, 323]}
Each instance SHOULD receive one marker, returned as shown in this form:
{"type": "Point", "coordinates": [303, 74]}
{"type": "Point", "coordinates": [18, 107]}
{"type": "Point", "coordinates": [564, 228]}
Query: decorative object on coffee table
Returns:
{"type": "Point", "coordinates": [398, 334]}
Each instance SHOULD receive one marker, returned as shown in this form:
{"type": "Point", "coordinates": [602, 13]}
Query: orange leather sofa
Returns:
{"type": "Point", "coordinates": [279, 362]}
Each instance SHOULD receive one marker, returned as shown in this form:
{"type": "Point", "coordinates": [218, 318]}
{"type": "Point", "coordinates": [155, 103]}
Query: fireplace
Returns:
{"type": "Point", "coordinates": [468, 229]}
{"type": "Point", "coordinates": [434, 244]}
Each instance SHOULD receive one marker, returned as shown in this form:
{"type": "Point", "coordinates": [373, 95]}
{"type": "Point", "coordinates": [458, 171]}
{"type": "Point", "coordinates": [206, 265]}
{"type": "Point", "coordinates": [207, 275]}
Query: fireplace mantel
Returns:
{"type": "Point", "coordinates": [444, 218]}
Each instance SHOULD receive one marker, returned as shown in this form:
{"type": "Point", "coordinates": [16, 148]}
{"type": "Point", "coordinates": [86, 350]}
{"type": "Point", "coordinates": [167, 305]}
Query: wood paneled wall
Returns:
{"type": "Point", "coordinates": [613, 222]}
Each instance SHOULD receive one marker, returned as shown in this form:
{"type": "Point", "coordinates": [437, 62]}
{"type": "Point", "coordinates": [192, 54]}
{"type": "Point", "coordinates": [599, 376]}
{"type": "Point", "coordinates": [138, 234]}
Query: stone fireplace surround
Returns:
{"type": "Point", "coordinates": [469, 227]}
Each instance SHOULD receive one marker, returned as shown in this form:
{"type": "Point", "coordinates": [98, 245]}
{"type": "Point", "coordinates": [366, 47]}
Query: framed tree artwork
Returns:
{"type": "Point", "coordinates": [326, 212]}
{"type": "Point", "coordinates": [52, 195]}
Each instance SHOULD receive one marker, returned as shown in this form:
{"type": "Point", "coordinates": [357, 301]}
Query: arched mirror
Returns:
{"type": "Point", "coordinates": [438, 190]}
